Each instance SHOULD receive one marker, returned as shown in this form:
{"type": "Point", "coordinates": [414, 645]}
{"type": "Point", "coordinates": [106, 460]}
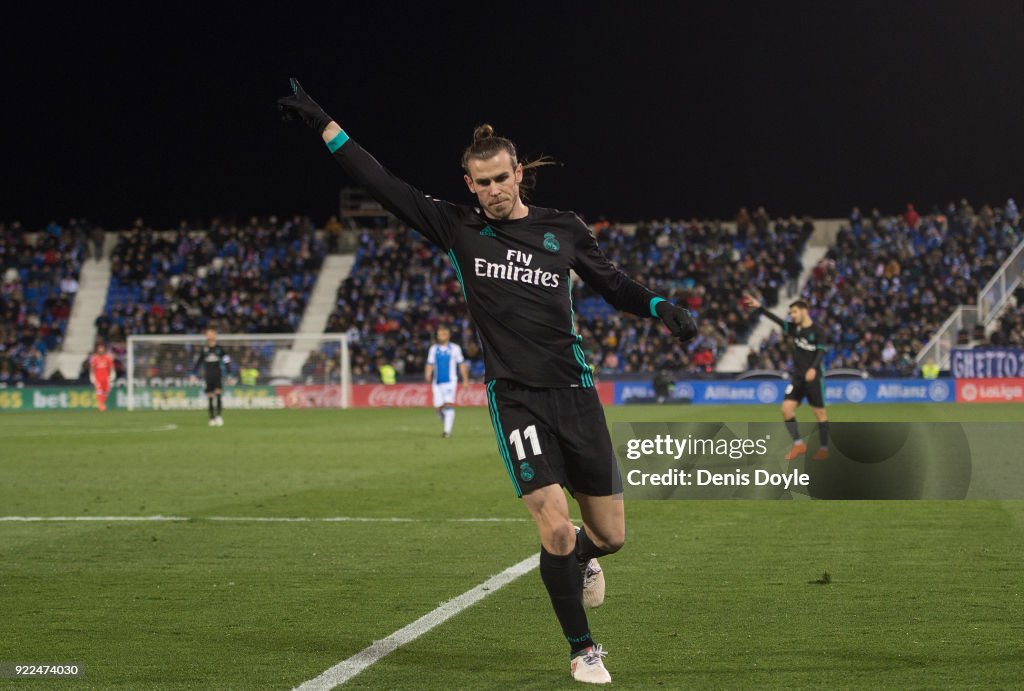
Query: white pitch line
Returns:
{"type": "Point", "coordinates": [345, 670]}
{"type": "Point", "coordinates": [59, 519]}
{"type": "Point", "coordinates": [253, 519]}
{"type": "Point", "coordinates": [301, 519]}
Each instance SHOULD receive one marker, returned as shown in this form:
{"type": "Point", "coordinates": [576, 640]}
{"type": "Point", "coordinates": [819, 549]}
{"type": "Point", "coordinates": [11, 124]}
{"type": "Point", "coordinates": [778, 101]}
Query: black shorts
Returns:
{"type": "Point", "coordinates": [553, 436]}
{"type": "Point", "coordinates": [799, 389]}
{"type": "Point", "coordinates": [213, 384]}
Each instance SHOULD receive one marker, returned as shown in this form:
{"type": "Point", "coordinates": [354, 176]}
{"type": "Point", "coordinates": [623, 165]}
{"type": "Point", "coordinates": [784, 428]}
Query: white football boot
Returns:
{"type": "Point", "coordinates": [593, 584]}
{"type": "Point", "coordinates": [588, 666]}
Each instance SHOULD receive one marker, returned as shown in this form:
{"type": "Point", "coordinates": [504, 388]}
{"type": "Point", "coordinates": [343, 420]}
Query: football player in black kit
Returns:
{"type": "Point", "coordinates": [808, 377]}
{"type": "Point", "coordinates": [214, 362]}
{"type": "Point", "coordinates": [514, 263]}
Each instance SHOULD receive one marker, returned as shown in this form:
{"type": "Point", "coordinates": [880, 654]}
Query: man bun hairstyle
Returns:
{"type": "Point", "coordinates": [800, 304]}
{"type": "Point", "coordinates": [486, 145]}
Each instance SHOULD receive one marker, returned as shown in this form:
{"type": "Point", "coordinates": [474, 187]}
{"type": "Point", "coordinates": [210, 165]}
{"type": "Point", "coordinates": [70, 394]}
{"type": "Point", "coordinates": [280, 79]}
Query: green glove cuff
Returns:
{"type": "Point", "coordinates": [338, 141]}
{"type": "Point", "coordinates": [654, 304]}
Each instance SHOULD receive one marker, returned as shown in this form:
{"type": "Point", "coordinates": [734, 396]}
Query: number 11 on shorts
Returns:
{"type": "Point", "coordinates": [530, 435]}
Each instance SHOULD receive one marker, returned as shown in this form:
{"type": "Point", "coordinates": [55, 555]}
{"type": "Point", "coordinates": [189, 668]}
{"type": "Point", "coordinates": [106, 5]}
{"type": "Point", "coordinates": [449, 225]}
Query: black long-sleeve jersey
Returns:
{"type": "Point", "coordinates": [514, 275]}
{"type": "Point", "coordinates": [213, 360]}
{"type": "Point", "coordinates": [809, 344]}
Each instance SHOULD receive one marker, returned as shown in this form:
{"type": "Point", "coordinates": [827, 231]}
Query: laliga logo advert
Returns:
{"type": "Point", "coordinates": [1005, 390]}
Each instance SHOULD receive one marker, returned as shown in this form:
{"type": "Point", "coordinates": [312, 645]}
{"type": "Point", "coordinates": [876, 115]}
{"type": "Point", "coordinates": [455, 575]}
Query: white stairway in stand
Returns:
{"type": "Point", "coordinates": [735, 357]}
{"type": "Point", "coordinates": [80, 337]}
{"type": "Point", "coordinates": [336, 268]}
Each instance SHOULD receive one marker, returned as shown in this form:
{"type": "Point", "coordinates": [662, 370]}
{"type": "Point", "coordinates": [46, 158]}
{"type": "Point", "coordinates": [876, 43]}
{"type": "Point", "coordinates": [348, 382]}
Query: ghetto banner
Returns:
{"type": "Point", "coordinates": [987, 363]}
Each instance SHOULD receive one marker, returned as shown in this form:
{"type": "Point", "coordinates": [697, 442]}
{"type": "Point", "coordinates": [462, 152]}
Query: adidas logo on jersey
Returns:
{"type": "Point", "coordinates": [488, 232]}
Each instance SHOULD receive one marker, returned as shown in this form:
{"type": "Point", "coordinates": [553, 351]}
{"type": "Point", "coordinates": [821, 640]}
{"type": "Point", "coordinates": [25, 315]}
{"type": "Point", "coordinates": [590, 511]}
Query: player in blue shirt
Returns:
{"type": "Point", "coordinates": [444, 362]}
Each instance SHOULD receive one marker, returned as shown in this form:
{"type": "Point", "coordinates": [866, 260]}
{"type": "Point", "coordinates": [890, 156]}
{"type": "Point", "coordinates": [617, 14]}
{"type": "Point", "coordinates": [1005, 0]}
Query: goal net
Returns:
{"type": "Point", "coordinates": [265, 371]}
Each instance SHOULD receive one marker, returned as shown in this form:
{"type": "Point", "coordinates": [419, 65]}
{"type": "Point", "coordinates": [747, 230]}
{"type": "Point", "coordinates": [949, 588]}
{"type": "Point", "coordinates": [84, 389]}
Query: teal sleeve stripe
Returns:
{"type": "Point", "coordinates": [338, 141]}
{"type": "Point", "coordinates": [458, 274]}
{"type": "Point", "coordinates": [654, 303]}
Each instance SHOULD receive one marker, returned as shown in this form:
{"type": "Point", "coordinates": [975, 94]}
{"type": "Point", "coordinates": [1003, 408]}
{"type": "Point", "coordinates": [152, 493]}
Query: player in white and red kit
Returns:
{"type": "Point", "coordinates": [102, 374]}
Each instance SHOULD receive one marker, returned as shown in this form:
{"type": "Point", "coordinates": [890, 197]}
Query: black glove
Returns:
{"type": "Point", "coordinates": [678, 320]}
{"type": "Point", "coordinates": [299, 106]}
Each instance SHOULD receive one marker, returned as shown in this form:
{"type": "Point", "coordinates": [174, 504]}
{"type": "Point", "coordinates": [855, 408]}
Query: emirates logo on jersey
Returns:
{"type": "Point", "coordinates": [516, 268]}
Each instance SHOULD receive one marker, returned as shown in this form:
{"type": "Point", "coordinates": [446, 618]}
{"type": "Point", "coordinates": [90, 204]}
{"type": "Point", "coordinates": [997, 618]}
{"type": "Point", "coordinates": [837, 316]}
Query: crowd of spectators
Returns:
{"type": "Point", "coordinates": [881, 291]}
{"type": "Point", "coordinates": [401, 289]}
{"type": "Point", "coordinates": [242, 278]}
{"type": "Point", "coordinates": [890, 281]}
{"type": "Point", "coordinates": [703, 265]}
{"type": "Point", "coordinates": [39, 273]}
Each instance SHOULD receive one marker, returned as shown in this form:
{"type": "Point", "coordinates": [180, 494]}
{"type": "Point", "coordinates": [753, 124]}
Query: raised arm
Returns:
{"type": "Point", "coordinates": [430, 217]}
{"type": "Point", "coordinates": [752, 303]}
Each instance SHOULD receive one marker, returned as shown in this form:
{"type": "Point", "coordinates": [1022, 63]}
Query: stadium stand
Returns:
{"type": "Point", "coordinates": [890, 281]}
{"type": "Point", "coordinates": [254, 277]}
{"type": "Point", "coordinates": [39, 273]}
{"type": "Point", "coordinates": [400, 289]}
{"type": "Point", "coordinates": [881, 290]}
{"type": "Point", "coordinates": [247, 278]}
{"type": "Point", "coordinates": [704, 265]}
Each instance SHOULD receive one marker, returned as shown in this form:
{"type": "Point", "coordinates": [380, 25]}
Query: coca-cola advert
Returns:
{"type": "Point", "coordinates": [412, 395]}
{"type": "Point", "coordinates": [419, 396]}
{"type": "Point", "coordinates": [310, 396]}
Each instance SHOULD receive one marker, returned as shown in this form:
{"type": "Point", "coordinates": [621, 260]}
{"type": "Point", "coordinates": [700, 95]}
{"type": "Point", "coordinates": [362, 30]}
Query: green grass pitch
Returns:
{"type": "Point", "coordinates": [704, 595]}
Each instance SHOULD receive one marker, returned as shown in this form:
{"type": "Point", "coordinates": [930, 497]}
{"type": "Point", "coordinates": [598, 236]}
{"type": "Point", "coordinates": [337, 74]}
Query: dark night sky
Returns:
{"type": "Point", "coordinates": [658, 111]}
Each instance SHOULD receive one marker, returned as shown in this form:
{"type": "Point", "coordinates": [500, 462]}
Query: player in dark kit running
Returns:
{"type": "Point", "coordinates": [514, 264]}
{"type": "Point", "coordinates": [214, 362]}
{"type": "Point", "coordinates": [808, 377]}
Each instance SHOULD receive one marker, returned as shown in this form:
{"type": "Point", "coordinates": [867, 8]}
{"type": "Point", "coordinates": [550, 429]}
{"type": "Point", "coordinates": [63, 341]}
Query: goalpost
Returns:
{"type": "Point", "coordinates": [266, 371]}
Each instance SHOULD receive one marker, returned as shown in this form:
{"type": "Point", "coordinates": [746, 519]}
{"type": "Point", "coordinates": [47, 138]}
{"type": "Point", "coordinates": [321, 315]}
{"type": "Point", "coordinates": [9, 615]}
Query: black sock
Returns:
{"type": "Point", "coordinates": [209, 402]}
{"type": "Point", "coordinates": [218, 405]}
{"type": "Point", "coordinates": [823, 433]}
{"type": "Point", "coordinates": [793, 430]}
{"type": "Point", "coordinates": [586, 549]}
{"type": "Point", "coordinates": [564, 582]}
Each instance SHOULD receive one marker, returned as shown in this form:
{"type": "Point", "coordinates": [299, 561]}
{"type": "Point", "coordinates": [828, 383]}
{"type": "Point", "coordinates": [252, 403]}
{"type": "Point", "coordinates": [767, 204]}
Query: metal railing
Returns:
{"type": "Point", "coordinates": [991, 300]}
{"type": "Point", "coordinates": [965, 317]}
{"type": "Point", "coordinates": [998, 291]}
